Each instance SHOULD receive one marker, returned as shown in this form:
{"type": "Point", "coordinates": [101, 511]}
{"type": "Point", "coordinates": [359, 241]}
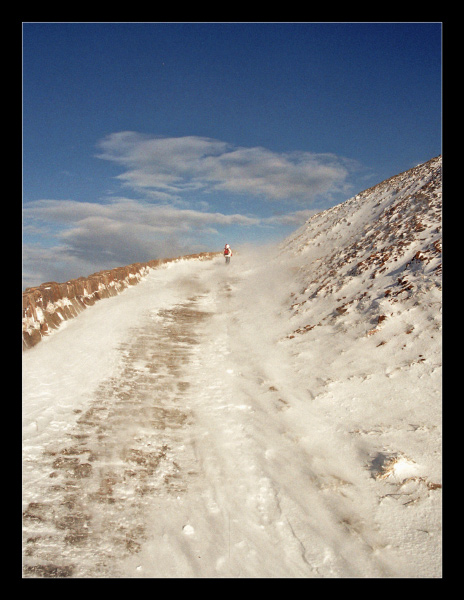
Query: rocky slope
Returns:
{"type": "Point", "coordinates": [378, 248]}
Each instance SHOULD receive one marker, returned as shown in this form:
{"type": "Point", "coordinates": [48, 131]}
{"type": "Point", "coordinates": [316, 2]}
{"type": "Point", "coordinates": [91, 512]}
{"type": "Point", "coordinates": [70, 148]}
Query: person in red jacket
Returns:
{"type": "Point", "coordinates": [227, 253]}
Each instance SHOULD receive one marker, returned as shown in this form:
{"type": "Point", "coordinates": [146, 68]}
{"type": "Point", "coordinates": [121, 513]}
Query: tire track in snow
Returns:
{"type": "Point", "coordinates": [90, 513]}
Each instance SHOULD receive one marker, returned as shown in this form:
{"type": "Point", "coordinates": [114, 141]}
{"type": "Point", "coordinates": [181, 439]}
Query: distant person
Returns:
{"type": "Point", "coordinates": [227, 253]}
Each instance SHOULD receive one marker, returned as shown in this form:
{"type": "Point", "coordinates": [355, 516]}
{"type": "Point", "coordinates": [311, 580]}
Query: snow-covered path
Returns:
{"type": "Point", "coordinates": [167, 434]}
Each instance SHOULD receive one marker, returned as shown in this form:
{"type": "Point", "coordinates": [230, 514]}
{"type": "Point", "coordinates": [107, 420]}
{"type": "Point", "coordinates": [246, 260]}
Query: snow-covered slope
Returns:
{"type": "Point", "coordinates": [366, 334]}
{"type": "Point", "coordinates": [386, 241]}
{"type": "Point", "coordinates": [278, 417]}
{"type": "Point", "coordinates": [368, 277]}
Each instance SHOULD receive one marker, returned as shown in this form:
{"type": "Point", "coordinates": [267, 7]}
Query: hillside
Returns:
{"type": "Point", "coordinates": [279, 417]}
{"type": "Point", "coordinates": [386, 239]}
{"type": "Point", "coordinates": [372, 266]}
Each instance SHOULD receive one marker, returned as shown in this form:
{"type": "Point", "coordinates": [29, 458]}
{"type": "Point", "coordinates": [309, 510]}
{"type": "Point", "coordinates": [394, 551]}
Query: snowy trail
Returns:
{"type": "Point", "coordinates": [167, 435]}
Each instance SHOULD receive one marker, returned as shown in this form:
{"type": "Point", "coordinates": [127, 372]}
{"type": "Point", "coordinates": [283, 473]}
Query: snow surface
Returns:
{"type": "Point", "coordinates": [291, 439]}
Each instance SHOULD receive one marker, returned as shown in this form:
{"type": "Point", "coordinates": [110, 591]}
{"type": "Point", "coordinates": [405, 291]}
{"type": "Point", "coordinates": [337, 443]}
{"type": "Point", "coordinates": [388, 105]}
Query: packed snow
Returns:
{"type": "Point", "coordinates": [276, 417]}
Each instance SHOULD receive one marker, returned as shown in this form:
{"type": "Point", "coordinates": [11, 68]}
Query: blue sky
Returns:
{"type": "Point", "coordinates": [149, 140]}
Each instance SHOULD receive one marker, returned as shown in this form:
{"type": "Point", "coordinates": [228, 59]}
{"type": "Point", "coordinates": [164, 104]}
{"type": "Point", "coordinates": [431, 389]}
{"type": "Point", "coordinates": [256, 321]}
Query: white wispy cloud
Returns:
{"type": "Point", "coordinates": [162, 217]}
{"type": "Point", "coordinates": [167, 166]}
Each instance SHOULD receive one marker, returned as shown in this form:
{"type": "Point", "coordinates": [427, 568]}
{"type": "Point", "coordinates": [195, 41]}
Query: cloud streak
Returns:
{"type": "Point", "coordinates": [170, 167]}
